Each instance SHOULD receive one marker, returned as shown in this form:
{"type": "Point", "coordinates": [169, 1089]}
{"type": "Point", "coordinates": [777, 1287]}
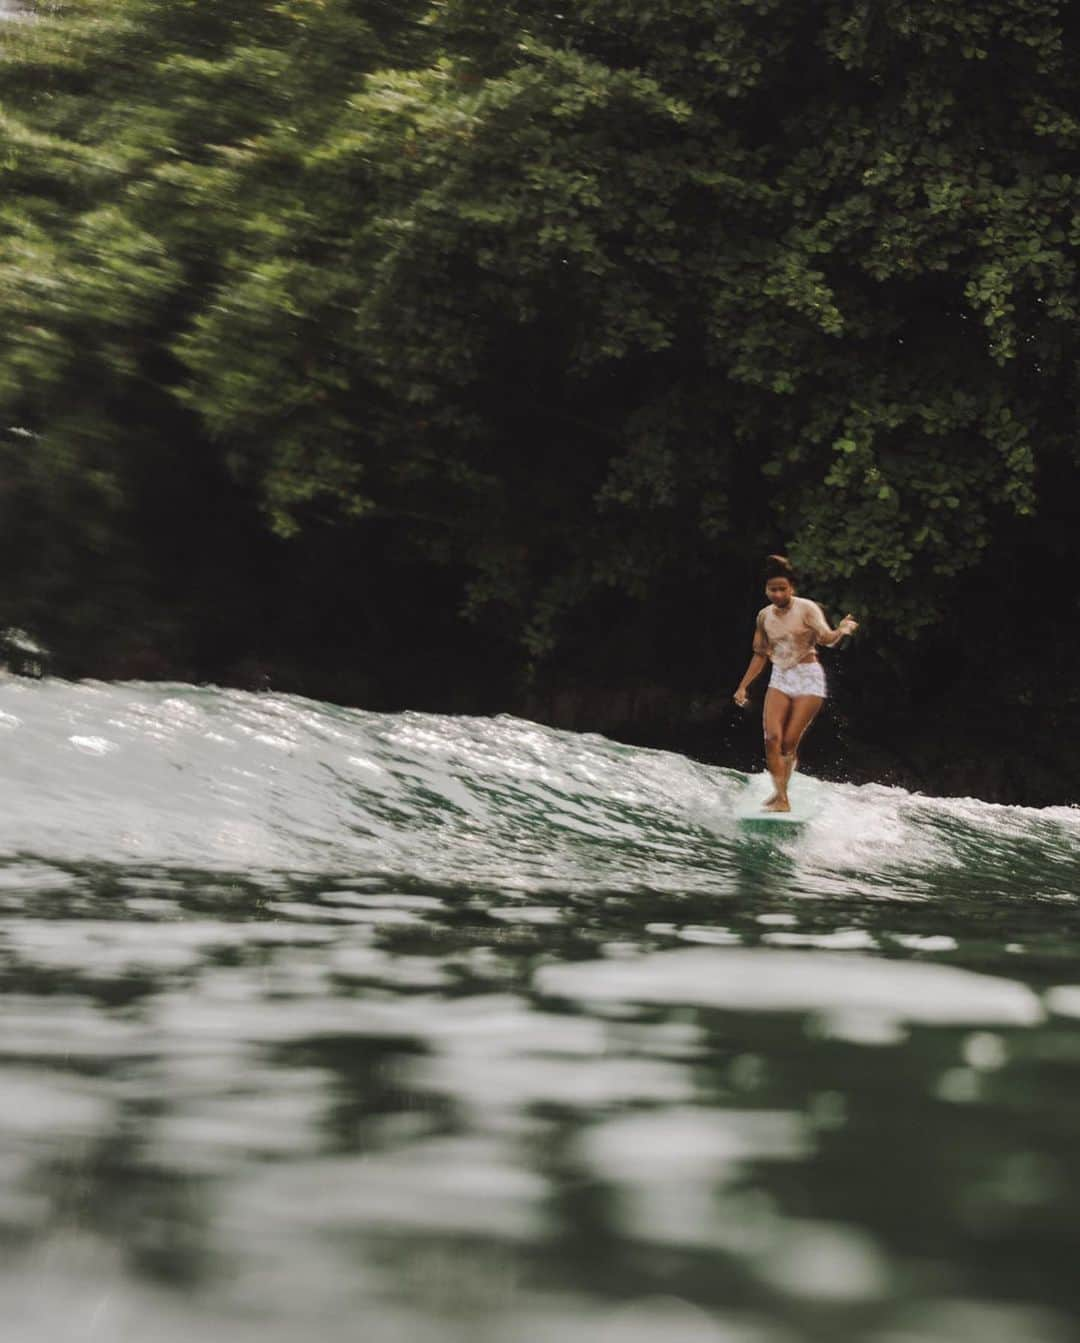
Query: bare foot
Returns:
{"type": "Point", "coordinates": [779, 804]}
{"type": "Point", "coordinates": [770, 800]}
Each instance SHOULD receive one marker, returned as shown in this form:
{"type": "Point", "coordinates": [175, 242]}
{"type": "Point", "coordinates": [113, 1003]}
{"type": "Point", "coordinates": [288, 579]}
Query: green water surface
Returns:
{"type": "Point", "coordinates": [327, 1025]}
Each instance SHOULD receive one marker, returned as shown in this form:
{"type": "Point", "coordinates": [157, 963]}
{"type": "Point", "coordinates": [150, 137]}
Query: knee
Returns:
{"type": "Point", "coordinates": [771, 738]}
{"type": "Point", "coordinates": [789, 745]}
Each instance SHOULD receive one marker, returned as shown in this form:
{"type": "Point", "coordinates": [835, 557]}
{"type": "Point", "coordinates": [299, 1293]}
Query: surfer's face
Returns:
{"type": "Point", "coordinates": [780, 592]}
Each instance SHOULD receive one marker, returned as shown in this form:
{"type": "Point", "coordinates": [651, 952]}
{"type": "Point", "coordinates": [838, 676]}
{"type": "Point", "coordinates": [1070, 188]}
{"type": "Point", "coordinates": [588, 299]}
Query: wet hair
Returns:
{"type": "Point", "coordinates": [779, 566]}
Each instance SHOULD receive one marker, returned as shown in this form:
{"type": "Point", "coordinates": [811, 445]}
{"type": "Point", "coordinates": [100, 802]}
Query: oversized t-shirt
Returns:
{"type": "Point", "coordinates": [786, 637]}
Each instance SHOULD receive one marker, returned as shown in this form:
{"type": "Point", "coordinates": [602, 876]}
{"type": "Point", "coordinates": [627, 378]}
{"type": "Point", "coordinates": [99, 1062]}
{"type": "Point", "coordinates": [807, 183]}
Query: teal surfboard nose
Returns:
{"type": "Point", "coordinates": [803, 794]}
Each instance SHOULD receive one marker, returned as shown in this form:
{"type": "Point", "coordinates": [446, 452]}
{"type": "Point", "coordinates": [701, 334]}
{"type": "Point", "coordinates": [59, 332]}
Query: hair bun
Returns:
{"type": "Point", "coordinates": [779, 566]}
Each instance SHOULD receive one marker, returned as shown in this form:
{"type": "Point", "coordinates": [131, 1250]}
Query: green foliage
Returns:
{"type": "Point", "coordinates": [153, 153]}
{"type": "Point", "coordinates": [587, 298]}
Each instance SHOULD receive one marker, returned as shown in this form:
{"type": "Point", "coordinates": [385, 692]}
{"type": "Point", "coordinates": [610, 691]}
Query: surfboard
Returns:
{"type": "Point", "coordinates": [802, 794]}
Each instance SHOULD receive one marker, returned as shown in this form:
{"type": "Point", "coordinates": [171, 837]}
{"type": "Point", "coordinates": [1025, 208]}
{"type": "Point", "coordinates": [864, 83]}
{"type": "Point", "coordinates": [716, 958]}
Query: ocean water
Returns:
{"type": "Point", "coordinates": [319, 1023]}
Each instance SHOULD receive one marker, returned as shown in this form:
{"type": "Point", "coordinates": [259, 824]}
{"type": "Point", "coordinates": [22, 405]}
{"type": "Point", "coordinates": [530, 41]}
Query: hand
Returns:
{"type": "Point", "coordinates": [741, 698]}
{"type": "Point", "coordinates": [848, 625]}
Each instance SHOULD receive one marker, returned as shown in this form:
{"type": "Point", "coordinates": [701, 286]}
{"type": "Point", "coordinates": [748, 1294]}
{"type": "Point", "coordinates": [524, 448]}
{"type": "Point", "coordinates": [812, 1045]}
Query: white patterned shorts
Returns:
{"type": "Point", "coordinates": [806, 678]}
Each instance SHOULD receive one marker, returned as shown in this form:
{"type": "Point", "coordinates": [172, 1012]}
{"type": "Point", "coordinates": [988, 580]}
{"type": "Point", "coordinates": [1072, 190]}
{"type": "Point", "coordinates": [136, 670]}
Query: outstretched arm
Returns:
{"type": "Point", "coordinates": [847, 626]}
{"type": "Point", "coordinates": [758, 663]}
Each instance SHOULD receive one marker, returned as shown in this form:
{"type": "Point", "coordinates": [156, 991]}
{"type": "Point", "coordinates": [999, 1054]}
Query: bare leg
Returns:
{"type": "Point", "coordinates": [804, 709]}
{"type": "Point", "coordinates": [776, 713]}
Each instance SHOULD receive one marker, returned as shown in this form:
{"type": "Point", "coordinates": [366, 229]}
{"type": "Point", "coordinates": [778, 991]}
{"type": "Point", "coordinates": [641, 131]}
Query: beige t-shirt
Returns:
{"type": "Point", "coordinates": [787, 637]}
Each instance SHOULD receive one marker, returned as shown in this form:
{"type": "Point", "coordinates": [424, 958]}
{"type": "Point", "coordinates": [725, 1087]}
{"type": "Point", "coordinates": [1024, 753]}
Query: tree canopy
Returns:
{"type": "Point", "coordinates": [578, 300]}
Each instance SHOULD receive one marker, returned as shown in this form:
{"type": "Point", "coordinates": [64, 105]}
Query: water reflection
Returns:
{"type": "Point", "coordinates": [459, 1110]}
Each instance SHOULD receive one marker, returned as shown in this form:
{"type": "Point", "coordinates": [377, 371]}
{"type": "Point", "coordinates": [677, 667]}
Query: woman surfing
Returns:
{"type": "Point", "coordinates": [787, 634]}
